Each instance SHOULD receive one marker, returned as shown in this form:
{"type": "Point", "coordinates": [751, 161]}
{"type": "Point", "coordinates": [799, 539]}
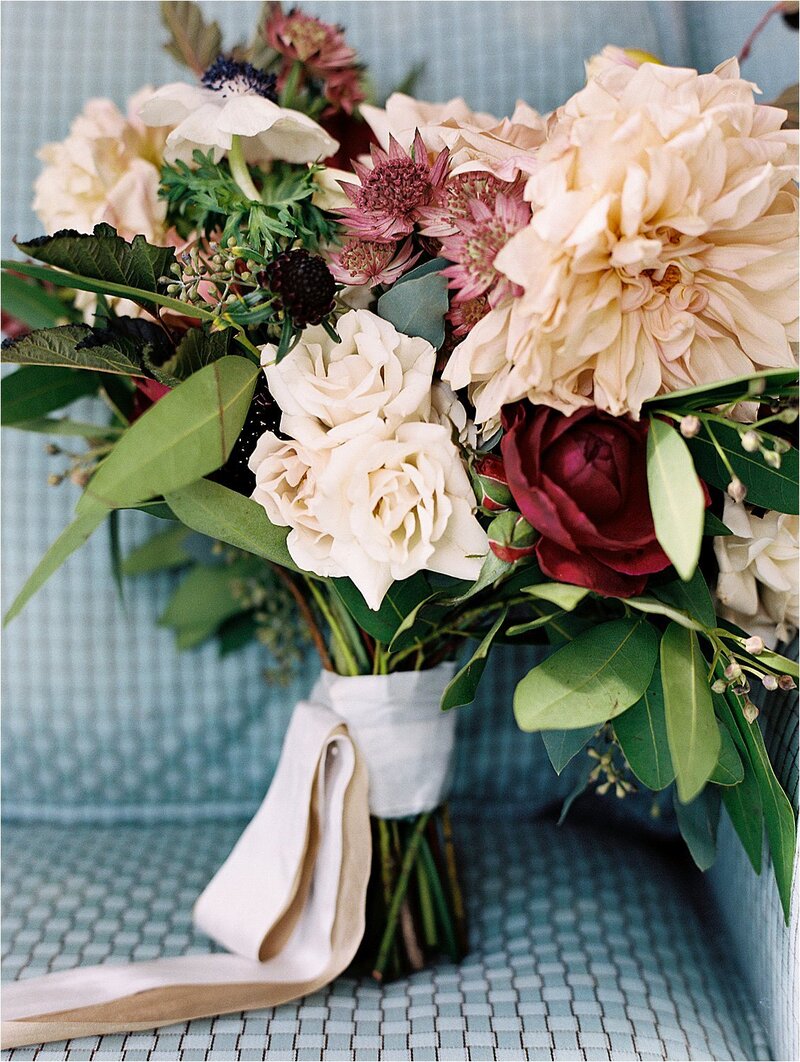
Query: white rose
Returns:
{"type": "Point", "coordinates": [758, 573]}
{"type": "Point", "coordinates": [396, 506]}
{"type": "Point", "coordinates": [331, 392]}
{"type": "Point", "coordinates": [448, 409]}
{"type": "Point", "coordinates": [286, 486]}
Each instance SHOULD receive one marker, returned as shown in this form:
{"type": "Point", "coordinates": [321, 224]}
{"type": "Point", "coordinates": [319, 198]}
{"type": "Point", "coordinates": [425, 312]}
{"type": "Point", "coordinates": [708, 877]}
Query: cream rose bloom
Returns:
{"type": "Point", "coordinates": [476, 141]}
{"type": "Point", "coordinates": [107, 169]}
{"type": "Point", "coordinates": [758, 580]}
{"type": "Point", "coordinates": [368, 383]}
{"type": "Point", "coordinates": [661, 253]}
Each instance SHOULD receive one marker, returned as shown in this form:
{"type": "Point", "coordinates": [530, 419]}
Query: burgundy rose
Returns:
{"type": "Point", "coordinates": [581, 481]}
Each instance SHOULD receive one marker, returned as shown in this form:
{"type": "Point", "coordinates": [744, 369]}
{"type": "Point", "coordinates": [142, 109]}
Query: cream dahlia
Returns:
{"type": "Point", "coordinates": [661, 252]}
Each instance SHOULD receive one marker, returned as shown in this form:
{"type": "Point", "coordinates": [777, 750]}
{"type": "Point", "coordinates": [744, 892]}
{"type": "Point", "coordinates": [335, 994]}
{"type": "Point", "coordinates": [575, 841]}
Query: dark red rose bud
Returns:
{"type": "Point", "coordinates": [147, 394]}
{"type": "Point", "coordinates": [511, 537]}
{"type": "Point", "coordinates": [581, 481]}
{"type": "Point", "coordinates": [491, 486]}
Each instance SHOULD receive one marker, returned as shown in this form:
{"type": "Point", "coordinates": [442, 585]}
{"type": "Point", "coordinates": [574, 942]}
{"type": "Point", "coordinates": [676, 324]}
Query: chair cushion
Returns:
{"type": "Point", "coordinates": [582, 945]}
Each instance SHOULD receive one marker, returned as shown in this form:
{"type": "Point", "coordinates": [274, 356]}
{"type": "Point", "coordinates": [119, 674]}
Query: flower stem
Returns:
{"type": "Point", "coordinates": [439, 899]}
{"type": "Point", "coordinates": [400, 891]}
{"type": "Point", "coordinates": [341, 648]}
{"type": "Point", "coordinates": [240, 172]}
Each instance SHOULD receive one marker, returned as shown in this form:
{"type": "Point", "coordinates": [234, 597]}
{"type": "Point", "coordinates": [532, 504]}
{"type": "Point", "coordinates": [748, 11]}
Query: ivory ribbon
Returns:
{"type": "Point", "coordinates": [288, 903]}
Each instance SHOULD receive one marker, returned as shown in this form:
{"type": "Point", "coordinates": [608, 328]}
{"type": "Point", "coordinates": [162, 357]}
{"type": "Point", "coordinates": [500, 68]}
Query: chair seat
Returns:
{"type": "Point", "coordinates": [584, 945]}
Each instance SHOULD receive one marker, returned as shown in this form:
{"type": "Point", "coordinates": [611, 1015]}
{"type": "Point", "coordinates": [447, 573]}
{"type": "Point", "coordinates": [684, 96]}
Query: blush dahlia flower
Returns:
{"type": "Point", "coordinates": [661, 253]}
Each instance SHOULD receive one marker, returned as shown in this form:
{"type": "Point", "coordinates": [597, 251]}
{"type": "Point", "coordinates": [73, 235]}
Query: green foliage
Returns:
{"type": "Point", "coordinates": [694, 741]}
{"type": "Point", "coordinates": [193, 41]}
{"type": "Point", "coordinates": [30, 303]}
{"type": "Point", "coordinates": [196, 349]}
{"type": "Point", "coordinates": [692, 597]}
{"type": "Point", "coordinates": [189, 433]}
{"type": "Point", "coordinates": [744, 807]}
{"type": "Point", "coordinates": [729, 770]}
{"type": "Point", "coordinates": [563, 745]}
{"type": "Point", "coordinates": [63, 426]}
{"type": "Point", "coordinates": [562, 595]}
{"type": "Point", "coordinates": [642, 736]}
{"type": "Point", "coordinates": [698, 822]}
{"type": "Point", "coordinates": [676, 497]}
{"type": "Point", "coordinates": [164, 551]}
{"type": "Point", "coordinates": [74, 346]}
{"type": "Point", "coordinates": [401, 599]}
{"type": "Point", "coordinates": [417, 305]}
{"type": "Point", "coordinates": [771, 488]}
{"type": "Point", "coordinates": [104, 256]}
{"type": "Point", "coordinates": [205, 598]}
{"type": "Point", "coordinates": [463, 686]}
{"type": "Point", "coordinates": [592, 679]}
{"type": "Point", "coordinates": [32, 391]}
{"type": "Point", "coordinates": [70, 539]}
{"type": "Point", "coordinates": [771, 382]}
{"type": "Point", "coordinates": [226, 516]}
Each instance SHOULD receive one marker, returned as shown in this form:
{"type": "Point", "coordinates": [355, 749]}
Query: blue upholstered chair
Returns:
{"type": "Point", "coordinates": [129, 770]}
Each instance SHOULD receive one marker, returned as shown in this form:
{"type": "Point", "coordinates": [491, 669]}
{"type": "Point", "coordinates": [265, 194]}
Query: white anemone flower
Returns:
{"type": "Point", "coordinates": [234, 112]}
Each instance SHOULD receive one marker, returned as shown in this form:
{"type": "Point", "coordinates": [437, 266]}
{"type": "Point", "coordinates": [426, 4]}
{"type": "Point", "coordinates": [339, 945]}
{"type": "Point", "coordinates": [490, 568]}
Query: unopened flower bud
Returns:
{"type": "Point", "coordinates": [769, 682]}
{"type": "Point", "coordinates": [772, 458]}
{"type": "Point", "coordinates": [786, 682]}
{"type": "Point", "coordinates": [491, 485]}
{"type": "Point", "coordinates": [751, 441]}
{"type": "Point", "coordinates": [754, 645]}
{"type": "Point", "coordinates": [719, 686]}
{"type": "Point", "coordinates": [733, 671]}
{"type": "Point", "coordinates": [788, 416]}
{"type": "Point", "coordinates": [511, 537]}
{"type": "Point", "coordinates": [737, 490]}
{"type": "Point", "coordinates": [690, 426]}
{"type": "Point", "coordinates": [749, 711]}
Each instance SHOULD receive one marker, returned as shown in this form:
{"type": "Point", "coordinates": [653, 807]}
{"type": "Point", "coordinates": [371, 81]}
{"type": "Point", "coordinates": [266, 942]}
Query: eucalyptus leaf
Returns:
{"type": "Point", "coordinates": [189, 433]}
{"type": "Point", "coordinates": [592, 679]}
{"type": "Point", "coordinates": [222, 514]}
{"type": "Point", "coordinates": [70, 539]}
{"type": "Point", "coordinates": [642, 736]}
{"type": "Point", "coordinates": [563, 745]}
{"type": "Point", "coordinates": [698, 823]}
{"type": "Point", "coordinates": [770, 488]}
{"type": "Point", "coordinates": [34, 390]}
{"type": "Point", "coordinates": [462, 687]}
{"type": "Point", "coordinates": [162, 552]}
{"type": "Point", "coordinates": [694, 740]}
{"type": "Point", "coordinates": [417, 307]}
{"type": "Point", "coordinates": [729, 770]}
{"type": "Point", "coordinates": [72, 346]}
{"type": "Point", "coordinates": [676, 497]}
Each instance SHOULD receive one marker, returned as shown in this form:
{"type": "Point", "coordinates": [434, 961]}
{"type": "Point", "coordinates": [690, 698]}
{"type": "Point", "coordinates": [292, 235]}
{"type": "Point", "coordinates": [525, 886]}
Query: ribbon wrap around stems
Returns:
{"type": "Point", "coordinates": [289, 901]}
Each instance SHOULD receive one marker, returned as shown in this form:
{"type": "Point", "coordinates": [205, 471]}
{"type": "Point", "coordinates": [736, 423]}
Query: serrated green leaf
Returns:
{"type": "Point", "coordinates": [770, 488]}
{"type": "Point", "coordinates": [70, 539]}
{"type": "Point", "coordinates": [34, 390]}
{"type": "Point", "coordinates": [70, 346]}
{"type": "Point", "coordinates": [162, 552]}
{"type": "Point", "coordinates": [768, 382]}
{"type": "Point", "coordinates": [222, 514]}
{"type": "Point", "coordinates": [676, 497]}
{"type": "Point", "coordinates": [28, 302]}
{"type": "Point", "coordinates": [692, 730]}
{"type": "Point", "coordinates": [195, 350]}
{"type": "Point", "coordinates": [642, 736]}
{"type": "Point", "coordinates": [189, 433]}
{"type": "Point", "coordinates": [729, 770]}
{"type": "Point", "coordinates": [463, 686]}
{"type": "Point", "coordinates": [193, 41]}
{"type": "Point", "coordinates": [417, 307]}
{"type": "Point", "coordinates": [104, 256]}
{"type": "Point", "coordinates": [698, 822]}
{"type": "Point", "coordinates": [592, 679]}
{"type": "Point", "coordinates": [563, 745]}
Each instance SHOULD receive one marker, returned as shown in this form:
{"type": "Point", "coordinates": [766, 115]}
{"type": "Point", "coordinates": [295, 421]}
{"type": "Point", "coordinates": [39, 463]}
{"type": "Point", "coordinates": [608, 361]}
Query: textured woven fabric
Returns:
{"type": "Point", "coordinates": [583, 946]}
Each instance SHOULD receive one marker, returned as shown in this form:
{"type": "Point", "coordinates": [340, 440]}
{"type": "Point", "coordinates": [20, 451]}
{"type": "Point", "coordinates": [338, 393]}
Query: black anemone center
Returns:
{"type": "Point", "coordinates": [237, 79]}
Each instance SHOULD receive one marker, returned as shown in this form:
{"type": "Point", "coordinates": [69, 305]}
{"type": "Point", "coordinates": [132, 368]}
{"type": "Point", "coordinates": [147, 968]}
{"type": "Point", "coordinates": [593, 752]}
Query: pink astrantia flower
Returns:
{"type": "Point", "coordinates": [366, 262]}
{"type": "Point", "coordinates": [463, 316]}
{"type": "Point", "coordinates": [477, 242]}
{"type": "Point", "coordinates": [440, 218]}
{"type": "Point", "coordinates": [392, 194]}
{"type": "Point", "coordinates": [322, 49]}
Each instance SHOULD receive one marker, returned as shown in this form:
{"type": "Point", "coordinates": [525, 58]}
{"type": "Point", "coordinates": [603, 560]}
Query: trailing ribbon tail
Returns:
{"type": "Point", "coordinates": [288, 904]}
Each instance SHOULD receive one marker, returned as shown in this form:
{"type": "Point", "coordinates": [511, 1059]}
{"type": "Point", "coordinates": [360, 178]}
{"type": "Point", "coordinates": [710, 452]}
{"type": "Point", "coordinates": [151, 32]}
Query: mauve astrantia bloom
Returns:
{"type": "Point", "coordinates": [479, 239]}
{"type": "Point", "coordinates": [393, 191]}
{"type": "Point", "coordinates": [661, 254]}
{"type": "Point", "coordinates": [364, 262]}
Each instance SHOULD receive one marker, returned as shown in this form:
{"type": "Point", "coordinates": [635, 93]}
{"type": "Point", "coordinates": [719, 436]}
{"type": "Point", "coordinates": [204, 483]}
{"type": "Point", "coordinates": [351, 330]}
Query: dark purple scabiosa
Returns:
{"type": "Point", "coordinates": [303, 284]}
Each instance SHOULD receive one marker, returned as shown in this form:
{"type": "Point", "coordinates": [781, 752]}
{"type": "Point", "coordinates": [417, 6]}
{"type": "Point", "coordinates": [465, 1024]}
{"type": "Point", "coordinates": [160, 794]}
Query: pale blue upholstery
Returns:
{"type": "Point", "coordinates": [119, 754]}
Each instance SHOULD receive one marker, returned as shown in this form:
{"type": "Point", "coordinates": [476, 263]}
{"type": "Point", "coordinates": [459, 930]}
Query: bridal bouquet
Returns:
{"type": "Point", "coordinates": [451, 380]}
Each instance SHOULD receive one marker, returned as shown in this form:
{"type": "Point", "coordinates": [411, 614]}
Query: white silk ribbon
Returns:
{"type": "Point", "coordinates": [289, 901]}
